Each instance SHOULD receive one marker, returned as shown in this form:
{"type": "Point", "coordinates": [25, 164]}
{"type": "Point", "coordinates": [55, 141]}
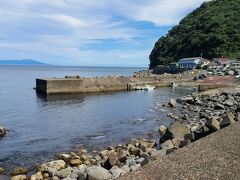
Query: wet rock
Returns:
{"type": "Point", "coordinates": [116, 172]}
{"type": "Point", "coordinates": [162, 129]}
{"type": "Point", "coordinates": [213, 123]}
{"type": "Point", "coordinates": [172, 103]}
{"type": "Point", "coordinates": [75, 162]}
{"type": "Point", "coordinates": [19, 177]}
{"type": "Point", "coordinates": [98, 173]}
{"type": "Point", "coordinates": [2, 170]}
{"type": "Point", "coordinates": [186, 99]}
{"type": "Point", "coordinates": [37, 176]}
{"type": "Point", "coordinates": [64, 172]}
{"type": "Point", "coordinates": [65, 157]}
{"type": "Point", "coordinates": [57, 165]}
{"type": "Point", "coordinates": [19, 170]}
{"type": "Point", "coordinates": [3, 131]}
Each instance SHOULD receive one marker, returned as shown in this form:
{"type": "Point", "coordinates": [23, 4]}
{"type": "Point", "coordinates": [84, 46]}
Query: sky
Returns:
{"type": "Point", "coordinates": [87, 32]}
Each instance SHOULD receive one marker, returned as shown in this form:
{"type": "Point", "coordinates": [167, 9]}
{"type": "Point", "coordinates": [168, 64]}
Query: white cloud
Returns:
{"type": "Point", "coordinates": [48, 29]}
{"type": "Point", "coordinates": [68, 20]}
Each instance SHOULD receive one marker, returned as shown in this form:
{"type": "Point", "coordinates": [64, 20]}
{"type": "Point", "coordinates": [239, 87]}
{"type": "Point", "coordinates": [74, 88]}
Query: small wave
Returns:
{"type": "Point", "coordinates": [96, 136]}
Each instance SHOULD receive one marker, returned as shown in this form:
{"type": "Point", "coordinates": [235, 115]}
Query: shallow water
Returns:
{"type": "Point", "coordinates": [41, 126]}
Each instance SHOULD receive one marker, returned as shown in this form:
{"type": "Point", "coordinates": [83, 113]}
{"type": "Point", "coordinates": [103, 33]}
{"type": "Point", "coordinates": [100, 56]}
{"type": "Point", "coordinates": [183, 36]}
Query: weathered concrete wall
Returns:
{"type": "Point", "coordinates": [85, 85]}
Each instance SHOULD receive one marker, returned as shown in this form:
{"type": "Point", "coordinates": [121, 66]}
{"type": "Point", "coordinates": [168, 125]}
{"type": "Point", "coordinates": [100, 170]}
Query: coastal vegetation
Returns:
{"type": "Point", "coordinates": [212, 30]}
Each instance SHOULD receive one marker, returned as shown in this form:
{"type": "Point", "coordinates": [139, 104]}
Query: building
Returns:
{"type": "Point", "coordinates": [191, 63]}
{"type": "Point", "coordinates": [223, 61]}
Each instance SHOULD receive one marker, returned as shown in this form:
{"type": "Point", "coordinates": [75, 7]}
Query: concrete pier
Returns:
{"type": "Point", "coordinates": [86, 85]}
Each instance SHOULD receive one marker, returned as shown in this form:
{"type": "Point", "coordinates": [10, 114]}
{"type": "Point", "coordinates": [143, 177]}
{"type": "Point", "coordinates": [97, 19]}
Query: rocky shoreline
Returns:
{"type": "Point", "coordinates": [195, 116]}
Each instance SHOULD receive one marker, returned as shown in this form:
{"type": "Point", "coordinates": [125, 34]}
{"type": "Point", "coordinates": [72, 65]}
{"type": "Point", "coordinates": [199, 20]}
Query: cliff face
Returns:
{"type": "Point", "coordinates": [212, 30]}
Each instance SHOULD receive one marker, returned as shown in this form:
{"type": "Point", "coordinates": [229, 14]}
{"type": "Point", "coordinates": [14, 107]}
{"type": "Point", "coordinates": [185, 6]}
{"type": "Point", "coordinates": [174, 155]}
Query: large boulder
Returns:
{"type": "Point", "coordinates": [227, 120]}
{"type": "Point", "coordinates": [98, 173]}
{"type": "Point", "coordinates": [213, 123]}
{"type": "Point", "coordinates": [116, 172]}
{"type": "Point", "coordinates": [176, 130]}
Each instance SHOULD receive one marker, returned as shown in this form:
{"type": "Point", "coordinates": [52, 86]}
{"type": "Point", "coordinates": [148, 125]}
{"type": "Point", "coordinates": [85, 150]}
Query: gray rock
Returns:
{"type": "Point", "coordinates": [57, 165]}
{"type": "Point", "coordinates": [213, 123]}
{"type": "Point", "coordinates": [176, 130]}
{"type": "Point", "coordinates": [64, 172]}
{"type": "Point", "coordinates": [172, 103]}
{"type": "Point", "coordinates": [135, 167]}
{"type": "Point", "coordinates": [125, 168]}
{"type": "Point", "coordinates": [167, 145]}
{"type": "Point", "coordinates": [98, 173]}
{"type": "Point", "coordinates": [237, 118]}
{"type": "Point", "coordinates": [227, 120]}
{"type": "Point", "coordinates": [219, 106]}
{"type": "Point", "coordinates": [37, 176]}
{"type": "Point", "coordinates": [140, 161]}
{"type": "Point", "coordinates": [158, 153]}
{"type": "Point", "coordinates": [116, 172]}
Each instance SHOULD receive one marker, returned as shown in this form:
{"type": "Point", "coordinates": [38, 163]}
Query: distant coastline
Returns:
{"type": "Point", "coordinates": [24, 62]}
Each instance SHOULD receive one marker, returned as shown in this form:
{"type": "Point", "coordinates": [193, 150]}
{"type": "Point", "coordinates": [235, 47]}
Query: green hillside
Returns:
{"type": "Point", "coordinates": [212, 30]}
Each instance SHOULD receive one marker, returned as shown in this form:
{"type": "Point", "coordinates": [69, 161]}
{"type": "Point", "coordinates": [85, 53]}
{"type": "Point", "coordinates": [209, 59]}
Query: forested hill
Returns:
{"type": "Point", "coordinates": [212, 30]}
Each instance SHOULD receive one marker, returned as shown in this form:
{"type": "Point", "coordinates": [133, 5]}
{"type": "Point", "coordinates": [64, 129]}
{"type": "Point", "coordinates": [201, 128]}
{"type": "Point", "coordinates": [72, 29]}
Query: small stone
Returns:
{"type": "Point", "coordinates": [237, 118]}
{"type": "Point", "coordinates": [19, 177]}
{"type": "Point", "coordinates": [162, 129]}
{"type": "Point", "coordinates": [158, 153]}
{"type": "Point", "coordinates": [184, 143]}
{"type": "Point", "coordinates": [45, 175]}
{"type": "Point", "coordinates": [37, 176]}
{"type": "Point", "coordinates": [135, 167]}
{"type": "Point", "coordinates": [103, 153]}
{"type": "Point", "coordinates": [2, 170]}
{"type": "Point", "coordinates": [3, 131]}
{"type": "Point", "coordinates": [116, 172]}
{"type": "Point", "coordinates": [213, 123]}
{"type": "Point", "coordinates": [122, 155]}
{"type": "Point", "coordinates": [227, 120]}
{"type": "Point", "coordinates": [172, 103]}
{"type": "Point", "coordinates": [176, 142]}
{"type": "Point", "coordinates": [75, 162]}
{"type": "Point", "coordinates": [58, 165]}
{"type": "Point", "coordinates": [98, 173]}
{"type": "Point", "coordinates": [140, 161]}
{"type": "Point", "coordinates": [64, 172]}
{"type": "Point", "coordinates": [19, 171]}
{"type": "Point", "coordinates": [219, 107]}
{"type": "Point", "coordinates": [134, 150]}
{"type": "Point", "coordinates": [126, 168]}
{"type": "Point", "coordinates": [167, 145]}
{"type": "Point", "coordinates": [65, 157]}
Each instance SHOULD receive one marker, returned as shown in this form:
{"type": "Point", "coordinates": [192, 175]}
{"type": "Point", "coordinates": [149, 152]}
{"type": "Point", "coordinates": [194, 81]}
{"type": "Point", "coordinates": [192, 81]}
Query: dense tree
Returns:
{"type": "Point", "coordinates": [212, 30]}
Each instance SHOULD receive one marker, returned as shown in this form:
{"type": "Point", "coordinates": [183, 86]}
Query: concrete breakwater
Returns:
{"type": "Point", "coordinates": [199, 115]}
{"type": "Point", "coordinates": [86, 85]}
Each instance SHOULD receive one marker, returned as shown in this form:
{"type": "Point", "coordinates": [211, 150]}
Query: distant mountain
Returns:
{"type": "Point", "coordinates": [24, 62]}
{"type": "Point", "coordinates": [212, 30]}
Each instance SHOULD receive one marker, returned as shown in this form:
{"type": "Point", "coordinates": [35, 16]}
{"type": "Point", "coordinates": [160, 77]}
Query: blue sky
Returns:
{"type": "Point", "coordinates": [87, 33]}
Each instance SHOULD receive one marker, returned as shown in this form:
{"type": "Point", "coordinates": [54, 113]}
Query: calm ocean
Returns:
{"type": "Point", "coordinates": [41, 126]}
